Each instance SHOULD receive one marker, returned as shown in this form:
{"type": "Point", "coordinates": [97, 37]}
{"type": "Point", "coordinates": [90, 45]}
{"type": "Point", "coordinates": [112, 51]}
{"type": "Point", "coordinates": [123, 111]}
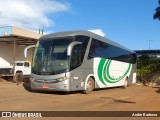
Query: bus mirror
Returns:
{"type": "Point", "coordinates": [90, 56]}
{"type": "Point", "coordinates": [70, 46]}
{"type": "Point", "coordinates": [26, 48]}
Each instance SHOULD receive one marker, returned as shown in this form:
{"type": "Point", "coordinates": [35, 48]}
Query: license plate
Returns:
{"type": "Point", "coordinates": [45, 87]}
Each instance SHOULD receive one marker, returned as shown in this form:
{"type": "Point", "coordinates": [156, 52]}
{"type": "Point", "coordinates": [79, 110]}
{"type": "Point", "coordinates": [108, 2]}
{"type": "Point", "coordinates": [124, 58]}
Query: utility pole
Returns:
{"type": "Point", "coordinates": [41, 31]}
{"type": "Point", "coordinates": [14, 58]}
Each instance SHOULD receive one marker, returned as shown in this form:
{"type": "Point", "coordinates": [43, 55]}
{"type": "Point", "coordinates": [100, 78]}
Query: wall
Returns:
{"type": "Point", "coordinates": [6, 54]}
{"type": "Point", "coordinates": [26, 33]}
{"type": "Point", "coordinates": [10, 30]}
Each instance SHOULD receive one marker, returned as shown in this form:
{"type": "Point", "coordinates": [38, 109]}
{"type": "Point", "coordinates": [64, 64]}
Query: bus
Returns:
{"type": "Point", "coordinates": [81, 61]}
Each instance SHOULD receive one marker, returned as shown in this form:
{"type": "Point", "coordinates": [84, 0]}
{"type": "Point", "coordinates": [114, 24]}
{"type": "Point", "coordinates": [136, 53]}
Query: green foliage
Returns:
{"type": "Point", "coordinates": [147, 67]}
{"type": "Point", "coordinates": [157, 12]}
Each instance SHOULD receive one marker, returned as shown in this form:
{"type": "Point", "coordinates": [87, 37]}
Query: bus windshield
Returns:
{"type": "Point", "coordinates": [50, 56]}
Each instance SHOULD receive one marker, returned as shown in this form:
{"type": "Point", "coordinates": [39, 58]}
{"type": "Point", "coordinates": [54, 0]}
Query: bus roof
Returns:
{"type": "Point", "coordinates": [85, 33]}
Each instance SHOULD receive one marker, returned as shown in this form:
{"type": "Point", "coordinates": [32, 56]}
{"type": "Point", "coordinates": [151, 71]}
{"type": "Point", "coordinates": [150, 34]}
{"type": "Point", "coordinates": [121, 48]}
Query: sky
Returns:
{"type": "Point", "coordinates": [128, 22]}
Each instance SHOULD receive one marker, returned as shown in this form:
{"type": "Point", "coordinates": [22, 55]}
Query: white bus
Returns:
{"type": "Point", "coordinates": [81, 60]}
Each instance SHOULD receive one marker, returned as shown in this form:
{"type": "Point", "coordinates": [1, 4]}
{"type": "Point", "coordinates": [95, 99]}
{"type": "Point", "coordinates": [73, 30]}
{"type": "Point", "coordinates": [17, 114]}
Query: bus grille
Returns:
{"type": "Point", "coordinates": [46, 81]}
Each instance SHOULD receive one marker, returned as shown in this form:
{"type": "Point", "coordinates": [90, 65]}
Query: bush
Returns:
{"type": "Point", "coordinates": [148, 70]}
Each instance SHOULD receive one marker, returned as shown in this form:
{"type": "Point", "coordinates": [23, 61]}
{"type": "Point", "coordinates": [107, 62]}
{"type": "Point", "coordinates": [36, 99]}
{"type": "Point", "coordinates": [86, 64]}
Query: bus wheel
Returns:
{"type": "Point", "coordinates": [18, 78]}
{"type": "Point", "coordinates": [125, 83]}
{"type": "Point", "coordinates": [89, 86]}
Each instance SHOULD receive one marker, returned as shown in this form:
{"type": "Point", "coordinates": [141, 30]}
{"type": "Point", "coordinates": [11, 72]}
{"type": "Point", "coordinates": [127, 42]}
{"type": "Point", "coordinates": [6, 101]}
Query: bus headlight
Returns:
{"type": "Point", "coordinates": [62, 78]}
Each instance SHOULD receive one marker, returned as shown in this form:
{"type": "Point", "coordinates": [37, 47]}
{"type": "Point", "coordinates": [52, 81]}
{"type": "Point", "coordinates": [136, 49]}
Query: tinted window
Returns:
{"type": "Point", "coordinates": [76, 57]}
{"type": "Point", "coordinates": [50, 56]}
{"type": "Point", "coordinates": [98, 49]}
{"type": "Point", "coordinates": [26, 64]}
{"type": "Point", "coordinates": [19, 64]}
{"type": "Point", "coordinates": [78, 52]}
{"type": "Point", "coordinates": [104, 50]}
{"type": "Point", "coordinates": [84, 40]}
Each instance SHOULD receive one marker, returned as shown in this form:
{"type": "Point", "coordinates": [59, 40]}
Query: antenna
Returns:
{"type": "Point", "coordinates": [42, 29]}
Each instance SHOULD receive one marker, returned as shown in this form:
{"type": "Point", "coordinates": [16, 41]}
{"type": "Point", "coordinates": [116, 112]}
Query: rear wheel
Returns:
{"type": "Point", "coordinates": [125, 83]}
{"type": "Point", "coordinates": [89, 86]}
{"type": "Point", "coordinates": [18, 78]}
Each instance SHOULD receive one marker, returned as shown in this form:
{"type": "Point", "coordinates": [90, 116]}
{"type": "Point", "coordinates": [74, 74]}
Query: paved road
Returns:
{"type": "Point", "coordinates": [135, 98]}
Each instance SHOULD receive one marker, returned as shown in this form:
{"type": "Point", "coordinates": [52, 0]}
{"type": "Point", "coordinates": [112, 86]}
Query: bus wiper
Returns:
{"type": "Point", "coordinates": [44, 64]}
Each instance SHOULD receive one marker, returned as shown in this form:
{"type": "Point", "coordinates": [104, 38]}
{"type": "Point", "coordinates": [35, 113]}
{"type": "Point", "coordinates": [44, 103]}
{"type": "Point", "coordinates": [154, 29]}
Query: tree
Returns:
{"type": "Point", "coordinates": [157, 12]}
{"type": "Point", "coordinates": [147, 68]}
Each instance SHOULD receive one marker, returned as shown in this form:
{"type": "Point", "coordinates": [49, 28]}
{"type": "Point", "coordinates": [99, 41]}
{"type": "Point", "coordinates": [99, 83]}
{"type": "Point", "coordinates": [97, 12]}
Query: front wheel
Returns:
{"type": "Point", "coordinates": [18, 78]}
{"type": "Point", "coordinates": [89, 87]}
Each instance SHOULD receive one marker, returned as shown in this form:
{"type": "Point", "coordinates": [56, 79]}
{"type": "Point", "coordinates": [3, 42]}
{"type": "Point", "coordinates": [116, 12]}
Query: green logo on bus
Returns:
{"type": "Point", "coordinates": [103, 72]}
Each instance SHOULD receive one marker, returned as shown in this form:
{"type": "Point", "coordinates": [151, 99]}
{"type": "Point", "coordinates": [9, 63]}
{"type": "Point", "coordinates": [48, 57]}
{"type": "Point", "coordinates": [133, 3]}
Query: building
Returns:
{"type": "Point", "coordinates": [151, 53]}
{"type": "Point", "coordinates": [13, 41]}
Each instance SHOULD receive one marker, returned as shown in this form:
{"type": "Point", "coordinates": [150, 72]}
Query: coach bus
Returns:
{"type": "Point", "coordinates": [81, 60]}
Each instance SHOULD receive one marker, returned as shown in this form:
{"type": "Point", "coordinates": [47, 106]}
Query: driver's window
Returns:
{"type": "Point", "coordinates": [76, 57]}
{"type": "Point", "coordinates": [26, 64]}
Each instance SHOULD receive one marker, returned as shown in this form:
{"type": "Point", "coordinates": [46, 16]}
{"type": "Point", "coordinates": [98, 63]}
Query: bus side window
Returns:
{"type": "Point", "coordinates": [98, 49]}
{"type": "Point", "coordinates": [76, 57]}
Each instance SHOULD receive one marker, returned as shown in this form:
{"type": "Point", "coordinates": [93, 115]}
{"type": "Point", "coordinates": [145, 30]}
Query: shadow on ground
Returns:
{"type": "Point", "coordinates": [6, 79]}
{"type": "Point", "coordinates": [158, 91]}
{"type": "Point", "coordinates": [119, 100]}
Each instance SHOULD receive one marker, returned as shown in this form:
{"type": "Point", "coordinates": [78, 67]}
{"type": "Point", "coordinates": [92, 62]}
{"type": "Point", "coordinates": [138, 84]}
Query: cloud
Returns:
{"type": "Point", "coordinates": [30, 14]}
{"type": "Point", "coordinates": [98, 31]}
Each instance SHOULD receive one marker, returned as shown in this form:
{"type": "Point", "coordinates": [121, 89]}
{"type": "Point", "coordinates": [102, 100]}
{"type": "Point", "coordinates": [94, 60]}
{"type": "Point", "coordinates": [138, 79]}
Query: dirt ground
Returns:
{"type": "Point", "coordinates": [15, 97]}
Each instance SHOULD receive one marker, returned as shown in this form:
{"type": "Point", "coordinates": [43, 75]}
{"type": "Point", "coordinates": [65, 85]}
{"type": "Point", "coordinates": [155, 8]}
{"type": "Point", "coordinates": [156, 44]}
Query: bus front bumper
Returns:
{"type": "Point", "coordinates": [58, 86]}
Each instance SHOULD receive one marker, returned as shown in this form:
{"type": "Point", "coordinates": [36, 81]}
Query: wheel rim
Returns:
{"type": "Point", "coordinates": [126, 83]}
{"type": "Point", "coordinates": [19, 78]}
{"type": "Point", "coordinates": [89, 86]}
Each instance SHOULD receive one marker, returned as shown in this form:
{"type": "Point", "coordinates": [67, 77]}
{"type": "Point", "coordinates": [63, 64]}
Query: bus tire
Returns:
{"type": "Point", "coordinates": [89, 87]}
{"type": "Point", "coordinates": [18, 78]}
{"type": "Point", "coordinates": [125, 83]}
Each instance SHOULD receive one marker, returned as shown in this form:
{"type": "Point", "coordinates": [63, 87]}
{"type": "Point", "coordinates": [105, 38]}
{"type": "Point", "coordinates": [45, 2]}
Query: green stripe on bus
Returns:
{"type": "Point", "coordinates": [103, 72]}
{"type": "Point", "coordinates": [100, 67]}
